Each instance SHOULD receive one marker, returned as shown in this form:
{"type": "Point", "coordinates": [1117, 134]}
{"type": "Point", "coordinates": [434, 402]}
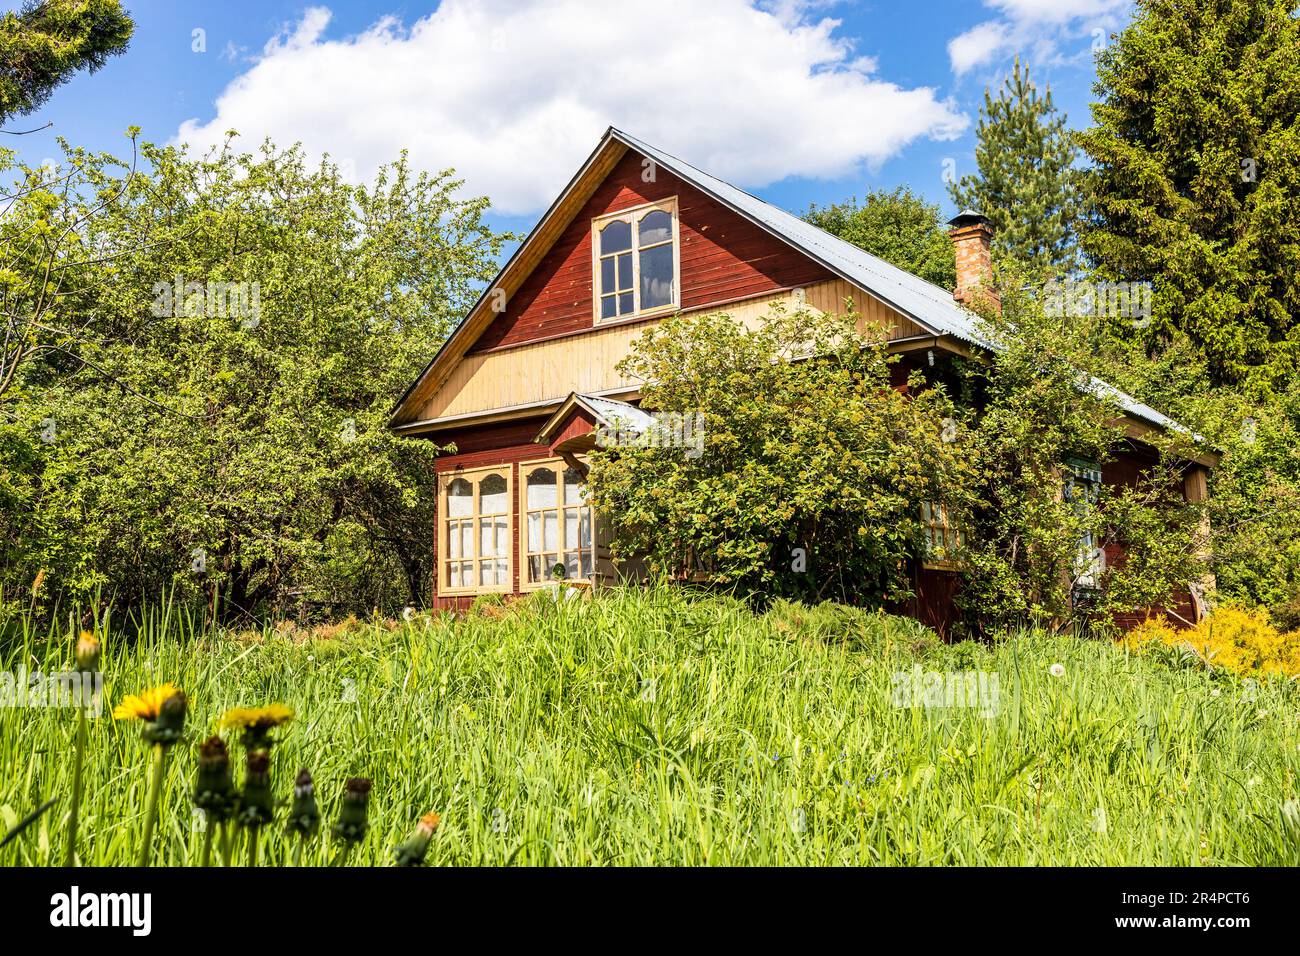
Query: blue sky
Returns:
{"type": "Point", "coordinates": [796, 101]}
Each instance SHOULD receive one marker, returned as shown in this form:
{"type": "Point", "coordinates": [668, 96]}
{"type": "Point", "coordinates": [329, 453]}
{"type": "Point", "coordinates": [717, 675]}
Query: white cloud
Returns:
{"type": "Point", "coordinates": [515, 93]}
{"type": "Point", "coordinates": [1037, 27]}
{"type": "Point", "coordinates": [1056, 11]}
{"type": "Point", "coordinates": [976, 46]}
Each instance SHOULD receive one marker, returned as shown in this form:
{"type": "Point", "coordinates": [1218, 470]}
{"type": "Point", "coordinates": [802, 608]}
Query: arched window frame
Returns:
{"type": "Point", "coordinates": [527, 580]}
{"type": "Point", "coordinates": [632, 217]}
{"type": "Point", "coordinates": [446, 521]}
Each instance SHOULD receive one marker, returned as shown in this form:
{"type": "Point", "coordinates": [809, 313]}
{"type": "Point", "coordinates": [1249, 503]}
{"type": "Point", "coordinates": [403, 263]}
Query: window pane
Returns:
{"type": "Point", "coordinates": [584, 530]}
{"type": "Point", "coordinates": [570, 527]}
{"type": "Point", "coordinates": [615, 237]}
{"type": "Point", "coordinates": [625, 304]}
{"type": "Point", "coordinates": [625, 272]}
{"type": "Point", "coordinates": [535, 531]}
{"type": "Point", "coordinates": [487, 537]}
{"type": "Point", "coordinates": [548, 565]}
{"type": "Point", "coordinates": [492, 495]}
{"type": "Point", "coordinates": [571, 566]}
{"type": "Point", "coordinates": [606, 275]}
{"type": "Point", "coordinates": [453, 576]}
{"type": "Point", "coordinates": [655, 227]}
{"type": "Point", "coordinates": [453, 540]}
{"type": "Point", "coordinates": [572, 486]}
{"type": "Point", "coordinates": [460, 499]}
{"type": "Point", "coordinates": [607, 307]}
{"type": "Point", "coordinates": [586, 565]}
{"type": "Point", "coordinates": [492, 573]}
{"type": "Point", "coordinates": [542, 489]}
{"type": "Point", "coordinates": [656, 277]}
{"type": "Point", "coordinates": [467, 539]}
{"type": "Point", "coordinates": [550, 530]}
{"type": "Point", "coordinates": [503, 572]}
{"type": "Point", "coordinates": [467, 573]}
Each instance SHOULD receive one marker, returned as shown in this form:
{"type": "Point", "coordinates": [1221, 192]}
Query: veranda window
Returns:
{"type": "Point", "coordinates": [1082, 488]}
{"type": "Point", "coordinates": [475, 532]}
{"type": "Point", "coordinates": [636, 262]}
{"type": "Point", "coordinates": [557, 523]}
{"type": "Point", "coordinates": [943, 539]}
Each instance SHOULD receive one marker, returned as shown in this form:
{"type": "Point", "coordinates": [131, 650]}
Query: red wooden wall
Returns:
{"type": "Point", "coordinates": [723, 258]}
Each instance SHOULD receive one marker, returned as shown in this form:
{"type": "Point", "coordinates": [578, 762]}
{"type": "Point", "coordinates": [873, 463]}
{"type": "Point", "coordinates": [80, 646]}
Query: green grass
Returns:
{"type": "Point", "coordinates": [651, 728]}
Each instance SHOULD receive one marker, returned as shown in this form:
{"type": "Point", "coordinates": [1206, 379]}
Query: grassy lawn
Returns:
{"type": "Point", "coordinates": [653, 728]}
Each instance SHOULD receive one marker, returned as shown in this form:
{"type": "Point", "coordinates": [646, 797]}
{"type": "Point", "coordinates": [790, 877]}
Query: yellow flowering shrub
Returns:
{"type": "Point", "coordinates": [1237, 639]}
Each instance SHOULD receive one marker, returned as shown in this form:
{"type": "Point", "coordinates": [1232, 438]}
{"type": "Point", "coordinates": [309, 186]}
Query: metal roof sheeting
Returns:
{"type": "Point", "coordinates": [616, 414]}
{"type": "Point", "coordinates": [930, 305]}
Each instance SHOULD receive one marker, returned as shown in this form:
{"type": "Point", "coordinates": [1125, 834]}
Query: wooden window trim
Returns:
{"type": "Point", "coordinates": [474, 476]}
{"type": "Point", "coordinates": [630, 216]}
{"type": "Point", "coordinates": [939, 527]}
{"type": "Point", "coordinates": [1085, 473]}
{"type": "Point", "coordinates": [558, 465]}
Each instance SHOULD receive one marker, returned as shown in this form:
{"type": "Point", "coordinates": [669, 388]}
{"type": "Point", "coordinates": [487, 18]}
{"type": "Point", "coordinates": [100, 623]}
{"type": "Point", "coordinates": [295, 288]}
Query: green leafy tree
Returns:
{"type": "Point", "coordinates": [1195, 182]}
{"type": "Point", "coordinates": [1026, 184]}
{"type": "Point", "coordinates": [812, 469]}
{"type": "Point", "coordinates": [1254, 505]}
{"type": "Point", "coordinates": [899, 227]}
{"type": "Point", "coordinates": [222, 426]}
{"type": "Point", "coordinates": [47, 251]}
{"type": "Point", "coordinates": [46, 42]}
{"type": "Point", "coordinates": [820, 454]}
{"type": "Point", "coordinates": [1038, 532]}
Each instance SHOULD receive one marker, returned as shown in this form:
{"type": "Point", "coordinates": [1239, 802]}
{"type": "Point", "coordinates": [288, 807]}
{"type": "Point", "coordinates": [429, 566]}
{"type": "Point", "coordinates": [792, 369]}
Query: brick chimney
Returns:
{"type": "Point", "coordinates": [971, 235]}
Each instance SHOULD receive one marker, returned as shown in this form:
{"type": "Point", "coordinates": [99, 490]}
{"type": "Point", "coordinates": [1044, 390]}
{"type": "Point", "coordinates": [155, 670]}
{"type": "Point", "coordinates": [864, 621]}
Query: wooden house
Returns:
{"type": "Point", "coordinates": [526, 379]}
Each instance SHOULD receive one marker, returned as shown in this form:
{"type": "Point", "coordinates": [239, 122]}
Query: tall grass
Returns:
{"type": "Point", "coordinates": [646, 727]}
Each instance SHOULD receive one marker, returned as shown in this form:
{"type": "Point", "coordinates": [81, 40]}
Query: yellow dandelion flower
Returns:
{"type": "Point", "coordinates": [147, 705]}
{"type": "Point", "coordinates": [256, 718]}
{"type": "Point", "coordinates": [236, 718]}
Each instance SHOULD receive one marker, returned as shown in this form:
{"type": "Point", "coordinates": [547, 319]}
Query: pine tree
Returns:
{"type": "Point", "coordinates": [1196, 178]}
{"type": "Point", "coordinates": [1026, 182]}
{"type": "Point", "coordinates": [48, 41]}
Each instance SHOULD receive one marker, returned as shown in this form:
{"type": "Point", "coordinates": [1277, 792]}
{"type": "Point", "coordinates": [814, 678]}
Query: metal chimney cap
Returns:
{"type": "Point", "coordinates": [969, 217]}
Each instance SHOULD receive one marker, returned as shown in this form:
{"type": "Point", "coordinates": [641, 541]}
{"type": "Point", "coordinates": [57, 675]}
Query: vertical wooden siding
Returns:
{"type": "Point", "coordinates": [549, 369]}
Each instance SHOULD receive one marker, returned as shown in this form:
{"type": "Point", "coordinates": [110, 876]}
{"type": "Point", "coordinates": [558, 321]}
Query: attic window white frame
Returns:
{"type": "Point", "coordinates": [632, 217]}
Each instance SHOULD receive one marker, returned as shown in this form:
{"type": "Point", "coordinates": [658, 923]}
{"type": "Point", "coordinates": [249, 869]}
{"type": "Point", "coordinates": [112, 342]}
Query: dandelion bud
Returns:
{"type": "Point", "coordinates": [411, 853]}
{"type": "Point", "coordinates": [354, 814]}
{"type": "Point", "coordinates": [304, 815]}
{"type": "Point", "coordinates": [168, 726]}
{"type": "Point", "coordinates": [256, 807]}
{"type": "Point", "coordinates": [213, 789]}
{"type": "Point", "coordinates": [87, 652]}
